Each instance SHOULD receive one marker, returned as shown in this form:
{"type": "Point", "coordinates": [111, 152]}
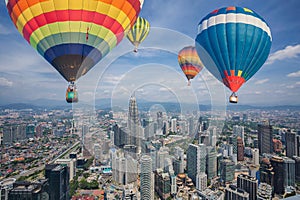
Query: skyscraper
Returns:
{"type": "Point", "coordinates": [134, 137]}
{"type": "Point", "coordinates": [291, 144]}
{"type": "Point", "coordinates": [239, 131]}
{"type": "Point", "coordinates": [249, 184]}
{"type": "Point", "coordinates": [240, 149]}
{"type": "Point", "coordinates": [174, 125]}
{"type": "Point", "coordinates": [196, 161]}
{"type": "Point", "coordinates": [162, 184]}
{"type": "Point", "coordinates": [58, 178]}
{"type": "Point", "coordinates": [147, 178]}
{"type": "Point", "coordinates": [211, 162]}
{"type": "Point", "coordinates": [278, 169]}
{"type": "Point", "coordinates": [297, 168]}
{"type": "Point", "coordinates": [124, 169]}
{"type": "Point", "coordinates": [289, 172]}
{"type": "Point", "coordinates": [227, 170]}
{"type": "Point", "coordinates": [255, 156]}
{"type": "Point", "coordinates": [266, 172]}
{"type": "Point", "coordinates": [265, 138]}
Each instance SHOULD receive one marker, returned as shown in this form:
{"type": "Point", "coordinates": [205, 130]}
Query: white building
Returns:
{"type": "Point", "coordinates": [146, 178]}
{"type": "Point", "coordinates": [71, 163]}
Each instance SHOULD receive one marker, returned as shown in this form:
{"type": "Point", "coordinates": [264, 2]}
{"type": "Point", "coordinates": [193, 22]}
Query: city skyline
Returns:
{"type": "Point", "coordinates": [154, 73]}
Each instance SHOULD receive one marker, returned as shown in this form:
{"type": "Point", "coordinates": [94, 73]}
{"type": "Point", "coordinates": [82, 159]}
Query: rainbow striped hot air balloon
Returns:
{"type": "Point", "coordinates": [233, 43]}
{"type": "Point", "coordinates": [189, 62]}
{"type": "Point", "coordinates": [138, 32]}
{"type": "Point", "coordinates": [73, 35]}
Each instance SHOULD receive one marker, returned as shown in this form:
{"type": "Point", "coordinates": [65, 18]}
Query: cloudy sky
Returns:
{"type": "Point", "coordinates": [153, 73]}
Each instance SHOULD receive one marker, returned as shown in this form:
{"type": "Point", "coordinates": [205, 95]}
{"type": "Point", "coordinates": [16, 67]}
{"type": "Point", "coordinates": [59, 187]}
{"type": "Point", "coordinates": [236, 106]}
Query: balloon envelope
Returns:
{"type": "Point", "coordinates": [189, 62]}
{"type": "Point", "coordinates": [138, 32]}
{"type": "Point", "coordinates": [73, 35]}
{"type": "Point", "coordinates": [233, 43]}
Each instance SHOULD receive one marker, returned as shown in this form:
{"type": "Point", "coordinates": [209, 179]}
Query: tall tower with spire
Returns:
{"type": "Point", "coordinates": [133, 137]}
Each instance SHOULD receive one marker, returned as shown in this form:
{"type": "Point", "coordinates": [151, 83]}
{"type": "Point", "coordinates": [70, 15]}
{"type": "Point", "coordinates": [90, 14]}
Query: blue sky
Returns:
{"type": "Point", "coordinates": [154, 73]}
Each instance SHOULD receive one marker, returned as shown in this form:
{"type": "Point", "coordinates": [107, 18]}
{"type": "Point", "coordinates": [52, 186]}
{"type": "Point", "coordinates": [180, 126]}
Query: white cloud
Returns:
{"type": "Point", "coordinates": [294, 74]}
{"type": "Point", "coordinates": [287, 52]}
{"type": "Point", "coordinates": [261, 81]}
{"type": "Point", "coordinates": [5, 82]}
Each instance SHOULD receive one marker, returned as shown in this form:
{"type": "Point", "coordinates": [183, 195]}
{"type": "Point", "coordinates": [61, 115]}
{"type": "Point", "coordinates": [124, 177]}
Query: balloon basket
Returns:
{"type": "Point", "coordinates": [71, 93]}
{"type": "Point", "coordinates": [233, 98]}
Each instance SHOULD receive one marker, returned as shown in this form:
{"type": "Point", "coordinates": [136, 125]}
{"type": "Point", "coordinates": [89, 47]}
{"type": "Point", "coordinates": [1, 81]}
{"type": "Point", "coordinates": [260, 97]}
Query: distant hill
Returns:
{"type": "Point", "coordinates": [143, 105]}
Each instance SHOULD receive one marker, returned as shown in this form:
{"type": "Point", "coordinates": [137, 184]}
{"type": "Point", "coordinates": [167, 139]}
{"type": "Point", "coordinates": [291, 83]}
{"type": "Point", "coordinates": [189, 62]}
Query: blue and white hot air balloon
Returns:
{"type": "Point", "coordinates": [233, 43]}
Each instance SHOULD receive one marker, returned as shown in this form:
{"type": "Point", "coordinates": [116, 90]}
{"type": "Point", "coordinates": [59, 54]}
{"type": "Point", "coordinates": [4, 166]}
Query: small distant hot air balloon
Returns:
{"type": "Point", "coordinates": [73, 36]}
{"type": "Point", "coordinates": [233, 43]}
{"type": "Point", "coordinates": [189, 62]}
{"type": "Point", "coordinates": [138, 32]}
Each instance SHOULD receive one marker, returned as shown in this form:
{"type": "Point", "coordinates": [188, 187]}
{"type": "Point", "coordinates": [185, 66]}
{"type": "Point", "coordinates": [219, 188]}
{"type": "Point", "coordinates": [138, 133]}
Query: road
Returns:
{"type": "Point", "coordinates": [33, 170]}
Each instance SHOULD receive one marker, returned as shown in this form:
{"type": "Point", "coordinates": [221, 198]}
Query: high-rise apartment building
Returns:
{"type": "Point", "coordinates": [146, 178]}
{"type": "Point", "coordinates": [255, 156]}
{"type": "Point", "coordinates": [265, 138]}
{"type": "Point", "coordinates": [264, 192]}
{"type": "Point", "coordinates": [234, 193]}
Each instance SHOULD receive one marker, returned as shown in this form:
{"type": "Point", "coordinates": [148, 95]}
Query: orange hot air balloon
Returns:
{"type": "Point", "coordinates": [189, 62]}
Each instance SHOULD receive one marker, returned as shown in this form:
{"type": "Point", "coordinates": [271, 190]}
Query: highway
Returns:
{"type": "Point", "coordinates": [33, 170]}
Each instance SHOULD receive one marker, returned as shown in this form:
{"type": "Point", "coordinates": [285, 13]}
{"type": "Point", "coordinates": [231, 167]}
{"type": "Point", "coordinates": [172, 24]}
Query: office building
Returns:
{"type": "Point", "coordinates": [124, 169]}
{"type": "Point", "coordinates": [239, 131]}
{"type": "Point", "coordinates": [162, 184]}
{"type": "Point", "coordinates": [161, 156]}
{"type": "Point", "coordinates": [58, 179]}
{"type": "Point", "coordinates": [146, 178]}
{"type": "Point", "coordinates": [289, 172]}
{"type": "Point", "coordinates": [71, 163]}
{"type": "Point", "coordinates": [234, 193]}
{"type": "Point", "coordinates": [30, 190]}
{"type": "Point", "coordinates": [227, 170]}
{"type": "Point", "coordinates": [291, 143]}
{"type": "Point", "coordinates": [265, 138]}
{"type": "Point", "coordinates": [249, 184]}
{"type": "Point", "coordinates": [240, 149]}
{"type": "Point", "coordinates": [211, 162]}
{"type": "Point", "coordinates": [196, 161]}
{"type": "Point", "coordinates": [277, 164]}
{"type": "Point", "coordinates": [264, 192]}
{"type": "Point", "coordinates": [266, 172]}
{"type": "Point", "coordinates": [297, 168]}
{"type": "Point", "coordinates": [6, 186]}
